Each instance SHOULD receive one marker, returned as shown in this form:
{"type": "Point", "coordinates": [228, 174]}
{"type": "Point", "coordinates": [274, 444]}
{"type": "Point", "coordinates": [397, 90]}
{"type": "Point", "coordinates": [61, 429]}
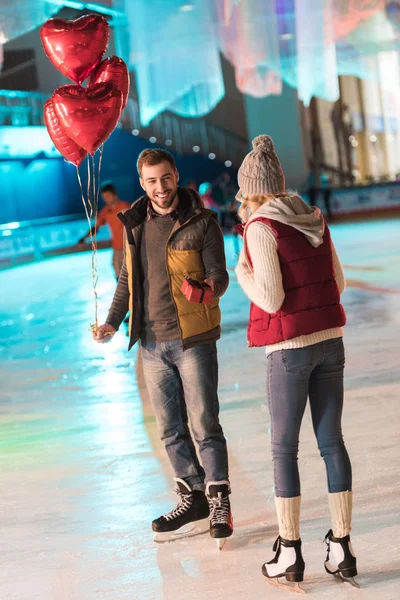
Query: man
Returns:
{"type": "Point", "coordinates": [169, 235]}
{"type": "Point", "coordinates": [109, 216]}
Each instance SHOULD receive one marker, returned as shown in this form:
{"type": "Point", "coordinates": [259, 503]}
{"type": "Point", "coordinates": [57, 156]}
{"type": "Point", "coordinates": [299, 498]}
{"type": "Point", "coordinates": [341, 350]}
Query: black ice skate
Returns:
{"type": "Point", "coordinates": [340, 558]}
{"type": "Point", "coordinates": [190, 516]}
{"type": "Point", "coordinates": [220, 512]}
{"type": "Point", "coordinates": [288, 562]}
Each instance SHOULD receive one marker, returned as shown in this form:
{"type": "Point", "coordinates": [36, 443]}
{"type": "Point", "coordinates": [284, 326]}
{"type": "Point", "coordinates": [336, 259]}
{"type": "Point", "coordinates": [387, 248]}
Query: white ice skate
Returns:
{"type": "Point", "coordinates": [340, 560]}
{"type": "Point", "coordinates": [288, 562]}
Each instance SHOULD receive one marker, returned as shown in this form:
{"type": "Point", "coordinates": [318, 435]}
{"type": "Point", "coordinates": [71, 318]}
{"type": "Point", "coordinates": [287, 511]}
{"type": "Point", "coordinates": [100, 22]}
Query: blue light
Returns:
{"type": "Point", "coordinates": [204, 188]}
{"type": "Point", "coordinates": [88, 6]}
{"type": "Point", "coordinates": [26, 142]}
{"type": "Point", "coordinates": [37, 166]}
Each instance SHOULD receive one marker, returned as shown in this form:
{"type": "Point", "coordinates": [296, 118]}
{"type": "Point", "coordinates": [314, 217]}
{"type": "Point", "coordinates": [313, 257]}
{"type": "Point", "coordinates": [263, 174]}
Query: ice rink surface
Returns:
{"type": "Point", "coordinates": [83, 472]}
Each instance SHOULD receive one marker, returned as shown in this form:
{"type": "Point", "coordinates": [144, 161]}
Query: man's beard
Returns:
{"type": "Point", "coordinates": [167, 205]}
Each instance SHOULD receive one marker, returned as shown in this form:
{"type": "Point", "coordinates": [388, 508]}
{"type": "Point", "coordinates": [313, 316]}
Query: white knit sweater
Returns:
{"type": "Point", "coordinates": [263, 283]}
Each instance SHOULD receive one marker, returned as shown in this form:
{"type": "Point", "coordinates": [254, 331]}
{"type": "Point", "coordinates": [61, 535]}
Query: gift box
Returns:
{"type": "Point", "coordinates": [194, 291]}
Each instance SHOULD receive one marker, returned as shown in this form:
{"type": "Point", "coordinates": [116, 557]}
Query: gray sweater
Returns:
{"type": "Point", "coordinates": [159, 319]}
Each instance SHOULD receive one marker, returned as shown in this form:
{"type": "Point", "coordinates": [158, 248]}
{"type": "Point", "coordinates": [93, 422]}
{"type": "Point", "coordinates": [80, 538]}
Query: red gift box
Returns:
{"type": "Point", "coordinates": [194, 291]}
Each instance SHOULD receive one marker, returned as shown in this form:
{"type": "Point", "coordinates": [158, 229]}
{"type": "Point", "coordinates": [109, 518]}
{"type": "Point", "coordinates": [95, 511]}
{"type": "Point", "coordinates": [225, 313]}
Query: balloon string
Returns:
{"type": "Point", "coordinates": [96, 189]}
{"type": "Point", "coordinates": [96, 206]}
{"type": "Point", "coordinates": [100, 162]}
{"type": "Point", "coordinates": [88, 182]}
{"type": "Point", "coordinates": [83, 198]}
{"type": "Point", "coordinates": [94, 182]}
{"type": "Point", "coordinates": [88, 206]}
{"type": "Point", "coordinates": [94, 213]}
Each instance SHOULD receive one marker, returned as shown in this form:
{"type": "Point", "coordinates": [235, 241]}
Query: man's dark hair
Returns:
{"type": "Point", "coordinates": [108, 187]}
{"type": "Point", "coordinates": [154, 156]}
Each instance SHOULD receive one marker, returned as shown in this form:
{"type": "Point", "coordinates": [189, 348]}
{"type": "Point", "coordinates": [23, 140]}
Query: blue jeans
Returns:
{"type": "Point", "coordinates": [293, 375]}
{"type": "Point", "coordinates": [182, 385]}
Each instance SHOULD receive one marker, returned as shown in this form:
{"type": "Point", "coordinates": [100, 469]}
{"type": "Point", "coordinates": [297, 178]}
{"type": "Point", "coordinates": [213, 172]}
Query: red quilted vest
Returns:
{"type": "Point", "coordinates": [312, 298]}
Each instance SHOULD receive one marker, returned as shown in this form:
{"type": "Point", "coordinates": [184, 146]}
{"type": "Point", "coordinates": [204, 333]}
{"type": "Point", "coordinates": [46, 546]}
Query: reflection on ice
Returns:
{"type": "Point", "coordinates": [83, 472]}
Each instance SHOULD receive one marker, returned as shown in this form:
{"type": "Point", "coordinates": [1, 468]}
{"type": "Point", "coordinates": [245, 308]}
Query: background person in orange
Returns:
{"type": "Point", "coordinates": [108, 216]}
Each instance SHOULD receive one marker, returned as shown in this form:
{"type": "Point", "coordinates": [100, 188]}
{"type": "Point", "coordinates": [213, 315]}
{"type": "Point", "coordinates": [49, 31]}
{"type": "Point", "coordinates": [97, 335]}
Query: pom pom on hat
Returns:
{"type": "Point", "coordinates": [263, 143]}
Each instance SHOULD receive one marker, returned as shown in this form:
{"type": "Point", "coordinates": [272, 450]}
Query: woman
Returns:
{"type": "Point", "coordinates": [290, 271]}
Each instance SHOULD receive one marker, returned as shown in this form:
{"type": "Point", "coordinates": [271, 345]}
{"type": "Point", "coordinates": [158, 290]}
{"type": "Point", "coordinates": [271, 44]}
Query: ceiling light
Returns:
{"type": "Point", "coordinates": [186, 7]}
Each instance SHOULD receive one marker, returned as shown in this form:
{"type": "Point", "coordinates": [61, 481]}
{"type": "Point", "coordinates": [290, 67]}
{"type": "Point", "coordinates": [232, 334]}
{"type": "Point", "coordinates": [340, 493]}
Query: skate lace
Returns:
{"type": "Point", "coordinates": [327, 538]}
{"type": "Point", "coordinates": [277, 545]}
{"type": "Point", "coordinates": [327, 542]}
{"type": "Point", "coordinates": [184, 503]}
{"type": "Point", "coordinates": [219, 509]}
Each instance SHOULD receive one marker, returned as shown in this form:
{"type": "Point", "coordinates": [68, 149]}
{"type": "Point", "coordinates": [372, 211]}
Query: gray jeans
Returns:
{"type": "Point", "coordinates": [181, 385]}
{"type": "Point", "coordinates": [292, 376]}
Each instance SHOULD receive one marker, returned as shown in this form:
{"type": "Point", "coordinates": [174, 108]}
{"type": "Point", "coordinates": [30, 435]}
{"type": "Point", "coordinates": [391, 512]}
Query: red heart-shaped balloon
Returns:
{"type": "Point", "coordinates": [75, 47]}
{"type": "Point", "coordinates": [68, 148]}
{"type": "Point", "coordinates": [115, 71]}
{"type": "Point", "coordinates": [88, 116]}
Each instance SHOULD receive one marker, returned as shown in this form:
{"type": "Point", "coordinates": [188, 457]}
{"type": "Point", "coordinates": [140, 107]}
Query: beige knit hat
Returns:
{"type": "Point", "coordinates": [261, 172]}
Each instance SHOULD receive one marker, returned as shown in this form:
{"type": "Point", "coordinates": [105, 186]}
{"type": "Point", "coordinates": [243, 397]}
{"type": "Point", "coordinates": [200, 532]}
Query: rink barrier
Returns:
{"type": "Point", "coordinates": [27, 241]}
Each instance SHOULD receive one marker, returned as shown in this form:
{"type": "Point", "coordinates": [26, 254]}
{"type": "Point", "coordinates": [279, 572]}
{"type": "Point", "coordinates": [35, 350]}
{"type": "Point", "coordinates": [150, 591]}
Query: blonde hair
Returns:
{"type": "Point", "coordinates": [257, 200]}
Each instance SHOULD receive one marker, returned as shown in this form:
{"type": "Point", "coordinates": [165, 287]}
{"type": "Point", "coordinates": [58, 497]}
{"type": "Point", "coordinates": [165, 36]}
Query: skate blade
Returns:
{"type": "Point", "coordinates": [290, 588]}
{"type": "Point", "coordinates": [349, 580]}
{"type": "Point", "coordinates": [189, 530]}
{"type": "Point", "coordinates": [220, 543]}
